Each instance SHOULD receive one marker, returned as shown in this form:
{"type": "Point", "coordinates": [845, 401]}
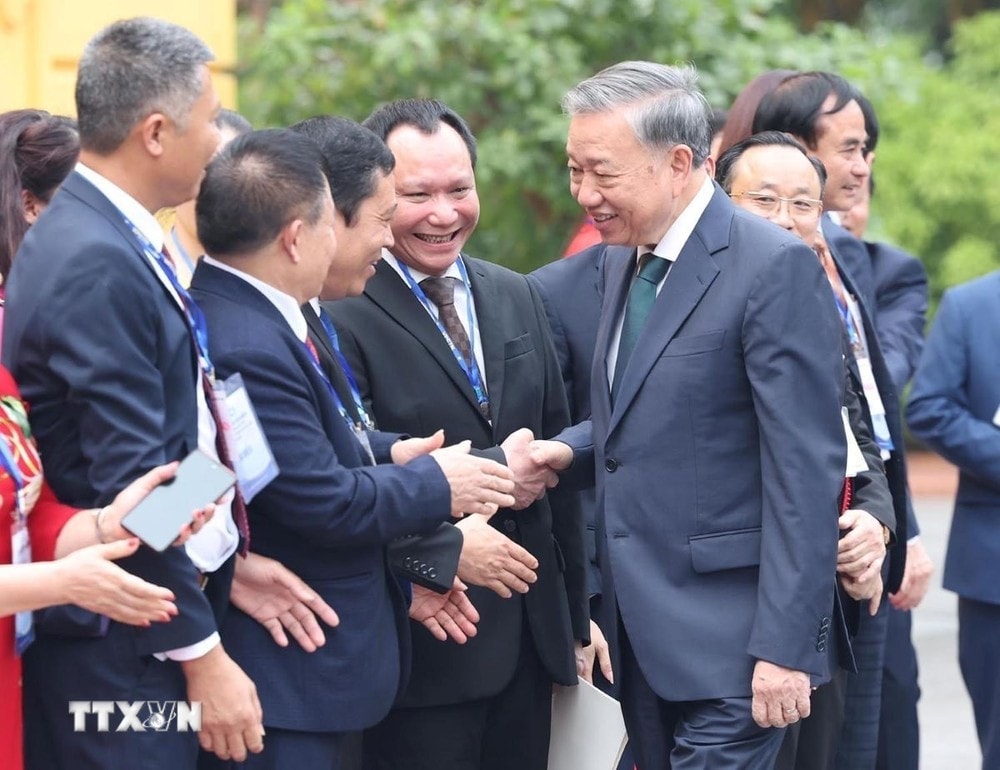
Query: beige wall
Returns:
{"type": "Point", "coordinates": [41, 40]}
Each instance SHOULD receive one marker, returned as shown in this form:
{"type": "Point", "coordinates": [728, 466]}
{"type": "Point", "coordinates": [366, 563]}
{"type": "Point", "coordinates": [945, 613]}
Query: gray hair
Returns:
{"type": "Point", "coordinates": [661, 104]}
{"type": "Point", "coordinates": [132, 69]}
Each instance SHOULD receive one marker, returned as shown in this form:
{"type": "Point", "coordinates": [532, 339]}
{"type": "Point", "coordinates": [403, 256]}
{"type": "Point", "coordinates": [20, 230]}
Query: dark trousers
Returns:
{"type": "Point", "coordinates": [899, 728]}
{"type": "Point", "coordinates": [979, 659]}
{"type": "Point", "coordinates": [859, 738]}
{"type": "Point", "coordinates": [715, 734]}
{"type": "Point", "coordinates": [811, 744]}
{"type": "Point", "coordinates": [509, 730]}
{"type": "Point", "coordinates": [294, 750]}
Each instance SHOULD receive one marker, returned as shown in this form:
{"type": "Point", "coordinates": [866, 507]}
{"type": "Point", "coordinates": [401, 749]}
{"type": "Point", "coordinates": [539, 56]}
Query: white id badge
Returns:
{"type": "Point", "coordinates": [248, 448]}
{"type": "Point", "coordinates": [20, 544]}
{"type": "Point", "coordinates": [875, 406]}
{"type": "Point", "coordinates": [855, 458]}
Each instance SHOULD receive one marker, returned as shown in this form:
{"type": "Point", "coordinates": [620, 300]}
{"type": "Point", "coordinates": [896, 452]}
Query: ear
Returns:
{"type": "Point", "coordinates": [290, 237]}
{"type": "Point", "coordinates": [33, 206]}
{"type": "Point", "coordinates": [870, 157]}
{"type": "Point", "coordinates": [680, 160]}
{"type": "Point", "coordinates": [151, 132]}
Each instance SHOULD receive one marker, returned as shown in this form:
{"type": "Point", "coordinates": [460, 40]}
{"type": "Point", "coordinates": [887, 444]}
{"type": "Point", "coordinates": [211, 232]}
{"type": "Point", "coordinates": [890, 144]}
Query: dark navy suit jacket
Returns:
{"type": "Point", "coordinates": [103, 355]}
{"type": "Point", "coordinates": [953, 407]}
{"type": "Point", "coordinates": [719, 464]}
{"type": "Point", "coordinates": [327, 517]}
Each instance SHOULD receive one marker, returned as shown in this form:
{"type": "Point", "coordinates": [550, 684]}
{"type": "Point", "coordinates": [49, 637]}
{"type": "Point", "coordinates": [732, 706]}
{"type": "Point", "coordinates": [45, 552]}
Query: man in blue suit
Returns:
{"type": "Point", "coordinates": [716, 435]}
{"type": "Point", "coordinates": [266, 218]}
{"type": "Point", "coordinates": [102, 343]}
{"type": "Point", "coordinates": [955, 409]}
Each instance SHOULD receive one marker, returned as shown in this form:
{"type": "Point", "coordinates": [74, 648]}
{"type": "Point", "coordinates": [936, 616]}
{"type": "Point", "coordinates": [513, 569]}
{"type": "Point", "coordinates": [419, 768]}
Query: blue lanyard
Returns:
{"type": "Point", "coordinates": [852, 330]}
{"type": "Point", "coordinates": [192, 313]}
{"type": "Point", "coordinates": [329, 386]}
{"type": "Point", "coordinates": [471, 370]}
{"type": "Point", "coordinates": [346, 367]}
{"type": "Point", "coordinates": [10, 465]}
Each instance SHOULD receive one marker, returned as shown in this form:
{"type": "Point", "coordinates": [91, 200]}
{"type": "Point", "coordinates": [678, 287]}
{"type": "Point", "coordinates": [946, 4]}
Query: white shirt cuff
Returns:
{"type": "Point", "coordinates": [197, 650]}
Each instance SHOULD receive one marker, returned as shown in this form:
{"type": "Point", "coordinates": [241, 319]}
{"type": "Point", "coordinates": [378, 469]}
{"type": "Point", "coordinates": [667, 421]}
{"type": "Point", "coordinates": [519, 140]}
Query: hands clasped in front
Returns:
{"type": "Point", "coordinates": [860, 554]}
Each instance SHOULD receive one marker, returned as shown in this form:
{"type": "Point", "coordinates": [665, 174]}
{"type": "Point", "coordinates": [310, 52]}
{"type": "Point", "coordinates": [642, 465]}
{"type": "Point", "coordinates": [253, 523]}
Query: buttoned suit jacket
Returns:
{"type": "Point", "coordinates": [412, 383]}
{"type": "Point", "coordinates": [953, 408]}
{"type": "Point", "coordinates": [720, 463]}
{"type": "Point", "coordinates": [107, 364]}
{"type": "Point", "coordinates": [327, 516]}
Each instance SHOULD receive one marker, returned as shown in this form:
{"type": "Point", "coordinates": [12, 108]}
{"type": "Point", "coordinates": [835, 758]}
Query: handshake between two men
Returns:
{"type": "Point", "coordinates": [284, 604]}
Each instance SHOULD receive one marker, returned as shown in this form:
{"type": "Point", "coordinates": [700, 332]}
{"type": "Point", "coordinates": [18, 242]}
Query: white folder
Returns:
{"type": "Point", "coordinates": [588, 731]}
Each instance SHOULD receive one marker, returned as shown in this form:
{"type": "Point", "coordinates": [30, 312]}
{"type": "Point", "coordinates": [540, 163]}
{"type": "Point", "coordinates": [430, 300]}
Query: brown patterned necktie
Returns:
{"type": "Point", "coordinates": [441, 291]}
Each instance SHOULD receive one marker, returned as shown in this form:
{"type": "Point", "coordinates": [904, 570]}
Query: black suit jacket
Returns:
{"type": "Point", "coordinates": [409, 377]}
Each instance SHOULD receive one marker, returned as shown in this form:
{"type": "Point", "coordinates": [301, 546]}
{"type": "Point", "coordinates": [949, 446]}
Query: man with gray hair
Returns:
{"type": "Point", "coordinates": [111, 352]}
{"type": "Point", "coordinates": [716, 434]}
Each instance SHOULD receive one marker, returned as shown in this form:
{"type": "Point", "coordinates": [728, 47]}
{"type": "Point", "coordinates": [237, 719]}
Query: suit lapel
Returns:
{"type": "Point", "coordinates": [328, 361]}
{"type": "Point", "coordinates": [389, 292]}
{"type": "Point", "coordinates": [487, 301]}
{"type": "Point", "coordinates": [618, 279]}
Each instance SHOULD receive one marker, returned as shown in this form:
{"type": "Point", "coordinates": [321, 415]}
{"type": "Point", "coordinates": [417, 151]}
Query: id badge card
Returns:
{"type": "Point", "coordinates": [856, 462]}
{"type": "Point", "coordinates": [366, 445]}
{"type": "Point", "coordinates": [20, 543]}
{"type": "Point", "coordinates": [248, 448]}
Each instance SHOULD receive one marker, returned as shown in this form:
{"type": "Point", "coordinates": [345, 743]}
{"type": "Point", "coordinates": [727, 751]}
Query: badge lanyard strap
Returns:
{"type": "Point", "coordinates": [849, 324]}
{"type": "Point", "coordinates": [471, 371]}
{"type": "Point", "coordinates": [10, 465]}
{"type": "Point", "coordinates": [192, 313]}
{"type": "Point", "coordinates": [352, 383]}
{"type": "Point", "coordinates": [333, 391]}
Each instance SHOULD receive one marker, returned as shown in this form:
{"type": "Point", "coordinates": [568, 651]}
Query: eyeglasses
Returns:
{"type": "Point", "coordinates": [767, 204]}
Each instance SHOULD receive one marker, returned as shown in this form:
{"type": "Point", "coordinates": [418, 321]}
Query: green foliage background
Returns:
{"type": "Point", "coordinates": [504, 65]}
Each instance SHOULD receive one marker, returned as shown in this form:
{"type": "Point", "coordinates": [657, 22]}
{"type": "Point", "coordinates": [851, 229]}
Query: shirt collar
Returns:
{"type": "Point", "coordinates": [669, 247]}
{"type": "Point", "coordinates": [144, 221]}
{"type": "Point", "coordinates": [418, 276]}
{"type": "Point", "coordinates": [290, 310]}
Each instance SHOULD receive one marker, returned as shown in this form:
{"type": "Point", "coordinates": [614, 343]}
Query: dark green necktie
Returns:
{"type": "Point", "coordinates": [641, 297]}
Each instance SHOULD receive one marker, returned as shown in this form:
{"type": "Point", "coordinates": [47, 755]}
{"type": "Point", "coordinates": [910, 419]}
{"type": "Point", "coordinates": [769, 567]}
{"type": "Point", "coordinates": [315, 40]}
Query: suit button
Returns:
{"type": "Point", "coordinates": [432, 573]}
{"type": "Point", "coordinates": [821, 646]}
{"type": "Point", "coordinates": [408, 561]}
{"type": "Point", "coordinates": [611, 465]}
{"type": "Point", "coordinates": [423, 570]}
{"type": "Point", "coordinates": [509, 525]}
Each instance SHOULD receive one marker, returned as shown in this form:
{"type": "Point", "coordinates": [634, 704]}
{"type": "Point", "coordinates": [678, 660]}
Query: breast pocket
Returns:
{"type": "Point", "coordinates": [694, 344]}
{"type": "Point", "coordinates": [517, 347]}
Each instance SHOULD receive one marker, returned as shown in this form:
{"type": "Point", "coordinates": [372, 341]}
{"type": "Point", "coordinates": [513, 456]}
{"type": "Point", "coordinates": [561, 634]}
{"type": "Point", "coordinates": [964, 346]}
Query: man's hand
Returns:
{"type": "Point", "coordinates": [445, 615]}
{"type": "Point", "coordinates": [871, 589]}
{"type": "Point", "coordinates": [408, 449]}
{"type": "Point", "coordinates": [492, 560]}
{"type": "Point", "coordinates": [280, 601]}
{"type": "Point", "coordinates": [598, 650]}
{"type": "Point", "coordinates": [231, 716]}
{"type": "Point", "coordinates": [916, 578]}
{"type": "Point", "coordinates": [780, 695]}
{"type": "Point", "coordinates": [531, 478]}
{"type": "Point", "coordinates": [555, 454]}
{"type": "Point", "coordinates": [477, 485]}
{"type": "Point", "coordinates": [861, 551]}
